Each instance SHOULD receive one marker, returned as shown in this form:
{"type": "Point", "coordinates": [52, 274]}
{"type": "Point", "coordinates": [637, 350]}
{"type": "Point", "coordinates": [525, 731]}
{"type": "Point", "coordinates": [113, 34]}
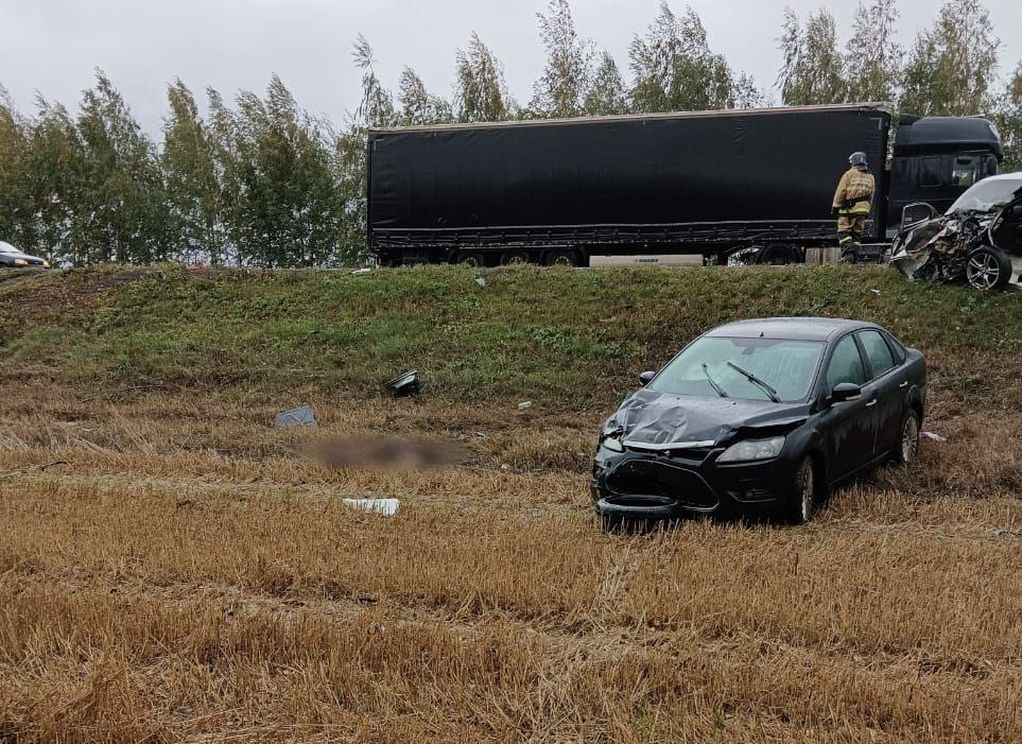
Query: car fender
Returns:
{"type": "Point", "coordinates": [808, 440]}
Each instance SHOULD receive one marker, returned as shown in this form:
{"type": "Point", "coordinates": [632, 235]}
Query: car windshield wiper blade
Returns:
{"type": "Point", "coordinates": [755, 380]}
{"type": "Point", "coordinates": [720, 391]}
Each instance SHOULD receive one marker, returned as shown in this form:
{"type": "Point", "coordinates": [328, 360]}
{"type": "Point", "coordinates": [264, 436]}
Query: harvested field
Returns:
{"type": "Point", "coordinates": [173, 568]}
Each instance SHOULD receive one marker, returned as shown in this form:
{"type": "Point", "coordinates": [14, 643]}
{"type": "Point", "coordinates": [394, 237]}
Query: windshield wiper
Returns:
{"type": "Point", "coordinates": [755, 380]}
{"type": "Point", "coordinates": [720, 391]}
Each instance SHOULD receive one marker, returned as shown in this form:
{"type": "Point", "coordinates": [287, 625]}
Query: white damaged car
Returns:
{"type": "Point", "coordinates": [978, 241]}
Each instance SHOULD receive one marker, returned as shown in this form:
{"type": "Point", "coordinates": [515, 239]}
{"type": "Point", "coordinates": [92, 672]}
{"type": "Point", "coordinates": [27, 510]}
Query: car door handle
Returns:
{"type": "Point", "coordinates": [903, 385]}
{"type": "Point", "coordinates": [871, 403]}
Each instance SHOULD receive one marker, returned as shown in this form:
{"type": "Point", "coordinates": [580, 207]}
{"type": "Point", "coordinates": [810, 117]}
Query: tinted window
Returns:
{"type": "Point", "coordinates": [845, 364]}
{"type": "Point", "coordinates": [787, 366]}
{"type": "Point", "coordinates": [932, 172]}
{"type": "Point", "coordinates": [877, 352]}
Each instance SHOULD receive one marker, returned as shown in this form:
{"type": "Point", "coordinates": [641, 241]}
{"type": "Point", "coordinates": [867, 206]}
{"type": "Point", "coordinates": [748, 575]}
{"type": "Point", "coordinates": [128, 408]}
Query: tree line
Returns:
{"type": "Point", "coordinates": [258, 181]}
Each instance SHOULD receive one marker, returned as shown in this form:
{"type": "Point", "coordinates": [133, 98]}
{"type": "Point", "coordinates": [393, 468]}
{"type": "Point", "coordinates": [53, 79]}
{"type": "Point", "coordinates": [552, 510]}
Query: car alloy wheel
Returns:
{"type": "Point", "coordinates": [988, 269]}
{"type": "Point", "coordinates": [807, 497]}
{"type": "Point", "coordinates": [909, 439]}
{"type": "Point", "coordinates": [801, 505]}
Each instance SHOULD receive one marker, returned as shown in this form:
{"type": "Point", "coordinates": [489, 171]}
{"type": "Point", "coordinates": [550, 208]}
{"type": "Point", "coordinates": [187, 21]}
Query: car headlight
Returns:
{"type": "Point", "coordinates": [610, 438]}
{"type": "Point", "coordinates": [20, 262]}
{"type": "Point", "coordinates": [753, 449]}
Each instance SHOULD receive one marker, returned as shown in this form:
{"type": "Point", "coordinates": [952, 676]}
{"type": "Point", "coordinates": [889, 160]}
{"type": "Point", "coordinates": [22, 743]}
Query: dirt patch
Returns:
{"type": "Point", "coordinates": [31, 297]}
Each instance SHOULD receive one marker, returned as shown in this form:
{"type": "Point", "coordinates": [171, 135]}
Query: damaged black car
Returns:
{"type": "Point", "coordinates": [978, 241]}
{"type": "Point", "coordinates": [760, 416]}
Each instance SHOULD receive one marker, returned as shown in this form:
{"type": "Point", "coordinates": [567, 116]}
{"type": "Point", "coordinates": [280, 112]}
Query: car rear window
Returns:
{"type": "Point", "coordinates": [878, 353]}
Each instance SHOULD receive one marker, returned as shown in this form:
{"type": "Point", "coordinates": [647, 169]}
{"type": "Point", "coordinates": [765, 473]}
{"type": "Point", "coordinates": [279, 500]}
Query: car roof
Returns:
{"type": "Point", "coordinates": [795, 329]}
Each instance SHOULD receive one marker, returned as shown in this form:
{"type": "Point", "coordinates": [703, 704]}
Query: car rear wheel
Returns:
{"type": "Point", "coordinates": [908, 446]}
{"type": "Point", "coordinates": [803, 502]}
{"type": "Point", "coordinates": [988, 268]}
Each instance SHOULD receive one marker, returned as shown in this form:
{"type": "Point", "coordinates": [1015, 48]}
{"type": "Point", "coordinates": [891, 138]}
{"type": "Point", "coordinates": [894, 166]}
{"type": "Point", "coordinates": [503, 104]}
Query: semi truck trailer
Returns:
{"type": "Point", "coordinates": [754, 186]}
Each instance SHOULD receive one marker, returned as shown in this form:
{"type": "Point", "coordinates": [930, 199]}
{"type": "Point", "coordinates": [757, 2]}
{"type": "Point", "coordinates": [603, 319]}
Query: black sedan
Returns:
{"type": "Point", "coordinates": [760, 415]}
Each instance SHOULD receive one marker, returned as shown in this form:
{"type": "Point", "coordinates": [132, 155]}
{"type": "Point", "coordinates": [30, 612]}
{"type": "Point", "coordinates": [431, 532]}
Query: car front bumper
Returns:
{"type": "Point", "coordinates": [647, 485]}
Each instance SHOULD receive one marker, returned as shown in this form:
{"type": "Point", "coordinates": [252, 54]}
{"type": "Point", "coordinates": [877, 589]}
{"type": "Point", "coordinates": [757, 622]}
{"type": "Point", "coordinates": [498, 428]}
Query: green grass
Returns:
{"type": "Point", "coordinates": [572, 337]}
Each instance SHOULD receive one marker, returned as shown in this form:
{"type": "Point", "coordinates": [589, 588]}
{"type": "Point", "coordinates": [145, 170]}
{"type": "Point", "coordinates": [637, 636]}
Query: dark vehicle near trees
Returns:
{"type": "Point", "coordinates": [754, 186]}
{"type": "Point", "coordinates": [13, 258]}
{"type": "Point", "coordinates": [978, 240]}
{"type": "Point", "coordinates": [760, 416]}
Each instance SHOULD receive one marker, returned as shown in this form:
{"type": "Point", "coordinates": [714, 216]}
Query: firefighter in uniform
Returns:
{"type": "Point", "coordinates": [852, 202]}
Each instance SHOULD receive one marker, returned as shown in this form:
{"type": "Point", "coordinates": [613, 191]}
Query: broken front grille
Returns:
{"type": "Point", "coordinates": [645, 482]}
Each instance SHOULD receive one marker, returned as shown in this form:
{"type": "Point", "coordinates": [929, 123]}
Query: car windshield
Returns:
{"type": "Point", "coordinates": [986, 195]}
{"type": "Point", "coordinates": [721, 366]}
{"type": "Point", "coordinates": [7, 248]}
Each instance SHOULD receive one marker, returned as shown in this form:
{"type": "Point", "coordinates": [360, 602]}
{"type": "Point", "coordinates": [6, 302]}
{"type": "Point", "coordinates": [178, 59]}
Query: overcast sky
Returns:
{"type": "Point", "coordinates": [52, 46]}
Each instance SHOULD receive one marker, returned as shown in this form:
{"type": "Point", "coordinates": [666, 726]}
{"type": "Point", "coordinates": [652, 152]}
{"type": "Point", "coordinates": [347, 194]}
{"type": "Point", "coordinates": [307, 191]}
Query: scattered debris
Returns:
{"type": "Point", "coordinates": [875, 291]}
{"type": "Point", "coordinates": [303, 416]}
{"type": "Point", "coordinates": [525, 405]}
{"type": "Point", "coordinates": [405, 384]}
{"type": "Point", "coordinates": [481, 281]}
{"type": "Point", "coordinates": [607, 320]}
{"type": "Point", "coordinates": [387, 507]}
{"type": "Point", "coordinates": [999, 532]}
{"type": "Point", "coordinates": [362, 271]}
{"type": "Point", "coordinates": [934, 437]}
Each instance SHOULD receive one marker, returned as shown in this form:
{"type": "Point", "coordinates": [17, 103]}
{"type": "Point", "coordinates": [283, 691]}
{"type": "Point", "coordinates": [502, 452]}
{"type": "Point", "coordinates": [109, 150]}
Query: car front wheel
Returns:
{"type": "Point", "coordinates": [803, 501]}
{"type": "Point", "coordinates": [988, 268]}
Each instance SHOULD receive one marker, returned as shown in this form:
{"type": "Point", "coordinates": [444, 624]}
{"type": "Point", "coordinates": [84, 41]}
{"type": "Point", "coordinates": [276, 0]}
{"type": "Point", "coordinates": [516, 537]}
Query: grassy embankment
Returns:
{"type": "Point", "coordinates": [172, 567]}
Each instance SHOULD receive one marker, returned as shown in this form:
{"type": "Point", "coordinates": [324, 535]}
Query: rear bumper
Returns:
{"type": "Point", "coordinates": [652, 486]}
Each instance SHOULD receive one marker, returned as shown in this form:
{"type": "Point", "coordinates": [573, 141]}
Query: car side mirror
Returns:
{"type": "Point", "coordinates": [844, 392]}
{"type": "Point", "coordinates": [646, 377]}
{"type": "Point", "coordinates": [915, 213]}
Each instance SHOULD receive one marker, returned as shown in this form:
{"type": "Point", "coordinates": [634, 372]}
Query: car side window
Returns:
{"type": "Point", "coordinates": [845, 364]}
{"type": "Point", "coordinates": [878, 353]}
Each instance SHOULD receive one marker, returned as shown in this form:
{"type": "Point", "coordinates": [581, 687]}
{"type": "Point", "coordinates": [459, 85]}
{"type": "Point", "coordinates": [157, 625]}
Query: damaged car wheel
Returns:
{"type": "Point", "coordinates": [988, 269]}
{"type": "Point", "coordinates": [908, 448]}
{"type": "Point", "coordinates": [803, 502]}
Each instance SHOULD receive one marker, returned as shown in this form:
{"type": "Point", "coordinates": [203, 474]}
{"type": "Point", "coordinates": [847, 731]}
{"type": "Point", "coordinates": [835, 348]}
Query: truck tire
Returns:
{"type": "Point", "coordinates": [988, 268]}
{"type": "Point", "coordinates": [476, 260]}
{"type": "Point", "coordinates": [515, 257]}
{"type": "Point", "coordinates": [561, 258]}
{"type": "Point", "coordinates": [777, 255]}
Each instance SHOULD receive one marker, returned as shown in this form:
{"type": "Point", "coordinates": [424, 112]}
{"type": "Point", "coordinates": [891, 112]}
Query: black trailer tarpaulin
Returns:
{"type": "Point", "coordinates": [773, 167]}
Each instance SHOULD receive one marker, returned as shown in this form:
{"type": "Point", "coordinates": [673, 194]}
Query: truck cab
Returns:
{"type": "Point", "coordinates": [936, 159]}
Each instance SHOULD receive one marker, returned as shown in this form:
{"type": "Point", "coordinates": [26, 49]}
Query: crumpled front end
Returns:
{"type": "Point", "coordinates": [658, 457]}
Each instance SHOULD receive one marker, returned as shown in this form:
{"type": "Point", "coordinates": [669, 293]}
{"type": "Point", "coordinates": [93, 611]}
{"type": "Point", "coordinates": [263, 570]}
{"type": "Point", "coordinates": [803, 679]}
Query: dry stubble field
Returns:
{"type": "Point", "coordinates": [173, 568]}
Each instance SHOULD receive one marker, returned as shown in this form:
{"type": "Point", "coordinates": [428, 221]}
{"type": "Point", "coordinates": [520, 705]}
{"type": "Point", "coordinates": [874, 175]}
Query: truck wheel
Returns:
{"type": "Point", "coordinates": [514, 257]}
{"type": "Point", "coordinates": [776, 255]}
{"type": "Point", "coordinates": [988, 269]}
{"type": "Point", "coordinates": [471, 259]}
{"type": "Point", "coordinates": [562, 258]}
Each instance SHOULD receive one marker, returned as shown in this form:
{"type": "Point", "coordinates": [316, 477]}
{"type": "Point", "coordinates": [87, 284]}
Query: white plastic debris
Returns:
{"type": "Point", "coordinates": [386, 507]}
{"type": "Point", "coordinates": [875, 291]}
{"type": "Point", "coordinates": [934, 437]}
{"type": "Point", "coordinates": [303, 416]}
{"type": "Point", "coordinates": [525, 405]}
{"type": "Point", "coordinates": [362, 271]}
{"type": "Point", "coordinates": [481, 281]}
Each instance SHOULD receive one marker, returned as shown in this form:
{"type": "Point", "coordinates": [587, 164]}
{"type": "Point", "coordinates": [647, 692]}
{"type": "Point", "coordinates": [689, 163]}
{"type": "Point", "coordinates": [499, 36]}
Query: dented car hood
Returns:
{"type": "Point", "coordinates": [661, 421]}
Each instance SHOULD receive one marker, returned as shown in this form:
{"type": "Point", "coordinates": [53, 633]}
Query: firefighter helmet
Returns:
{"type": "Point", "coordinates": [857, 159]}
